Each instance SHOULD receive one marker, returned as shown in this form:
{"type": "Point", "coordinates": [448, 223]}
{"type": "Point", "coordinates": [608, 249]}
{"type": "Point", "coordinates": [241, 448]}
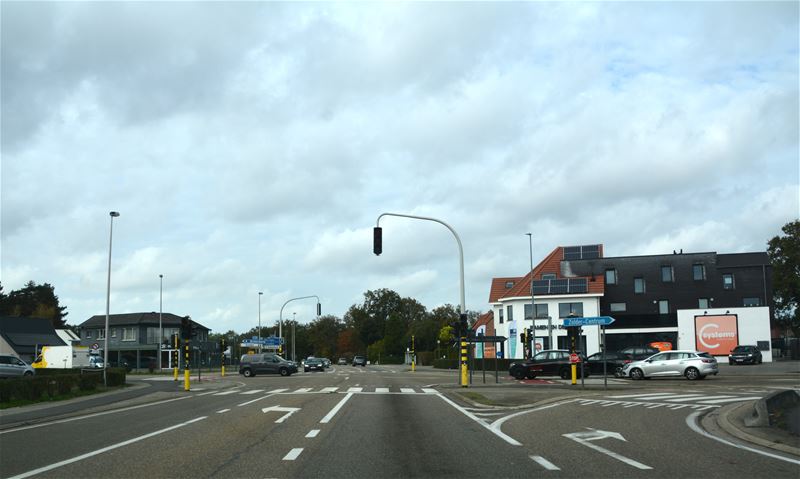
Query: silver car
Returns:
{"type": "Point", "coordinates": [12, 366]}
{"type": "Point", "coordinates": [692, 364]}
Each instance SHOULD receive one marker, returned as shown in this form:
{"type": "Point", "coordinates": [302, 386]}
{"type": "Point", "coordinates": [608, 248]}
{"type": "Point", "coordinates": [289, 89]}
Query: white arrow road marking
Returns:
{"type": "Point", "coordinates": [288, 410]}
{"type": "Point", "coordinates": [596, 435]}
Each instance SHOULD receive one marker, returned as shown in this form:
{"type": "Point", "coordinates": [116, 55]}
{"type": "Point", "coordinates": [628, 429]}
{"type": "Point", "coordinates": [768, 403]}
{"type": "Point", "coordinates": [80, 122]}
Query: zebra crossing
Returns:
{"type": "Point", "coordinates": [699, 402]}
{"type": "Point", "coordinates": [329, 390]}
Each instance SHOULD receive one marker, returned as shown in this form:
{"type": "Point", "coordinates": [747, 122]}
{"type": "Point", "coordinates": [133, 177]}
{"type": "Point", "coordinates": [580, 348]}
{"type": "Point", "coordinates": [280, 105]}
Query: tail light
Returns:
{"type": "Point", "coordinates": [626, 361]}
{"type": "Point", "coordinates": [709, 361]}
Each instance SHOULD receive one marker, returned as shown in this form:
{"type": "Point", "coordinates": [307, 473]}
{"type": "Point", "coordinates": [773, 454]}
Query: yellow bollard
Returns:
{"type": "Point", "coordinates": [464, 371]}
{"type": "Point", "coordinates": [185, 379]}
{"type": "Point", "coordinates": [574, 373]}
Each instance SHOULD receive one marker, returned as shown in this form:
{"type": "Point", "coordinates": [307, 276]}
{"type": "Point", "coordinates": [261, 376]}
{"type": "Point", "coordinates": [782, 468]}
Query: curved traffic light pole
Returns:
{"type": "Point", "coordinates": [378, 249]}
{"type": "Point", "coordinates": [280, 324]}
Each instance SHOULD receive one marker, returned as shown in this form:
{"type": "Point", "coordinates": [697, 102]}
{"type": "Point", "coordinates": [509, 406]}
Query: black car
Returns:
{"type": "Point", "coordinates": [359, 361]}
{"type": "Point", "coordinates": [744, 355]}
{"type": "Point", "coordinates": [553, 362]}
{"type": "Point", "coordinates": [313, 364]}
{"type": "Point", "coordinates": [614, 362]}
{"type": "Point", "coordinates": [637, 353]}
{"type": "Point", "coordinates": [252, 364]}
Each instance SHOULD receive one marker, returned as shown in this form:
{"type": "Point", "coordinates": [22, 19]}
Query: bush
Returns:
{"type": "Point", "coordinates": [50, 383]}
{"type": "Point", "coordinates": [476, 364]}
{"type": "Point", "coordinates": [88, 382]}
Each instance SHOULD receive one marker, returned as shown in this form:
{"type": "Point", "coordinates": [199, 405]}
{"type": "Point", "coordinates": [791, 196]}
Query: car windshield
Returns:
{"type": "Point", "coordinates": [741, 349]}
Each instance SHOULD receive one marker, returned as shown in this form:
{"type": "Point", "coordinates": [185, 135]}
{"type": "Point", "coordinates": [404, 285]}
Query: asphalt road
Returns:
{"type": "Point", "coordinates": [384, 421]}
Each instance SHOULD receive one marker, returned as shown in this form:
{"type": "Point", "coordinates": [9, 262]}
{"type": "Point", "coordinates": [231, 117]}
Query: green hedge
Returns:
{"type": "Point", "coordinates": [48, 384]}
{"type": "Point", "coordinates": [476, 364]}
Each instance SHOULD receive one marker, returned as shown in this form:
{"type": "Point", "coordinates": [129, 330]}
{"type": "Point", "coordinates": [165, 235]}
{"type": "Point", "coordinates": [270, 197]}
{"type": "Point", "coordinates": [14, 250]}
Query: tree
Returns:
{"type": "Point", "coordinates": [36, 301]}
{"type": "Point", "coordinates": [784, 255]}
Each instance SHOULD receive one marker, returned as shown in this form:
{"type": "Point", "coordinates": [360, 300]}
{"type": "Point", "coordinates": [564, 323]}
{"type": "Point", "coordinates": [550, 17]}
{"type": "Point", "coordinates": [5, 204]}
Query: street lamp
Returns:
{"type": "Point", "coordinates": [160, 312]}
{"type": "Point", "coordinates": [280, 316]}
{"type": "Point", "coordinates": [259, 320]}
{"type": "Point", "coordinates": [533, 308]}
{"type": "Point", "coordinates": [294, 322]}
{"type": "Point", "coordinates": [113, 215]}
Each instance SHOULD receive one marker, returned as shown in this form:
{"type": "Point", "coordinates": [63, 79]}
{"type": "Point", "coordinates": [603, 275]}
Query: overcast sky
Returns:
{"type": "Point", "coordinates": [251, 146]}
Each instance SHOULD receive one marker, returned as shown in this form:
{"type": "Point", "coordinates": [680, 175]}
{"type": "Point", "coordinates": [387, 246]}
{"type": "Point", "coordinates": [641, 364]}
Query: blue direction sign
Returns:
{"type": "Point", "coordinates": [594, 321]}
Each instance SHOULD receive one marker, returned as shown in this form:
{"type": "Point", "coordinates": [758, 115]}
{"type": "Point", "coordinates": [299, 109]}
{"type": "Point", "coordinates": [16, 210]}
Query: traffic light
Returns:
{"type": "Point", "coordinates": [186, 328]}
{"type": "Point", "coordinates": [522, 337]}
{"type": "Point", "coordinates": [319, 309]}
{"type": "Point", "coordinates": [574, 334]}
{"type": "Point", "coordinates": [377, 240]}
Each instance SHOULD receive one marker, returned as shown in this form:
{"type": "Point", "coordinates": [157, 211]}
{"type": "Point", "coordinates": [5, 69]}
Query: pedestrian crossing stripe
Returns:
{"type": "Point", "coordinates": [333, 389]}
{"type": "Point", "coordinates": [669, 400]}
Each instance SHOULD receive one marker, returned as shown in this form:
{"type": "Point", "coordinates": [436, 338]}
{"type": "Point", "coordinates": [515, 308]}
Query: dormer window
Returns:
{"type": "Point", "coordinates": [509, 284]}
{"type": "Point", "coordinates": [548, 276]}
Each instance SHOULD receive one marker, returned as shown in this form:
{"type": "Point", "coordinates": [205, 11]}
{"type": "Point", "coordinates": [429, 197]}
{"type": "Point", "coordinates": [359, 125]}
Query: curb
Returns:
{"type": "Point", "coordinates": [729, 427]}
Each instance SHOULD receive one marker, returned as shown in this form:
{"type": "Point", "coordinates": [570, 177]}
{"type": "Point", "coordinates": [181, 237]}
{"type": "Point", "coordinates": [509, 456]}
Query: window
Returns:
{"type": "Point", "coordinates": [618, 307]}
{"type": "Point", "coordinates": [509, 284]}
{"type": "Point", "coordinates": [611, 276]}
{"type": "Point", "coordinates": [698, 272]}
{"type": "Point", "coordinates": [500, 316]}
{"type": "Point", "coordinates": [638, 285]}
{"type": "Point", "coordinates": [129, 334]}
{"type": "Point", "coordinates": [101, 334]}
{"type": "Point", "coordinates": [667, 274]}
{"type": "Point", "coordinates": [88, 334]}
{"type": "Point", "coordinates": [727, 281]}
{"type": "Point", "coordinates": [510, 312]}
{"type": "Point", "coordinates": [663, 306]}
{"type": "Point", "coordinates": [152, 336]}
{"type": "Point", "coordinates": [528, 311]}
{"type": "Point", "coordinates": [541, 311]}
{"type": "Point", "coordinates": [113, 332]}
{"type": "Point", "coordinates": [565, 309]}
{"type": "Point", "coordinates": [702, 303]}
{"type": "Point", "coordinates": [548, 276]}
{"type": "Point", "coordinates": [752, 301]}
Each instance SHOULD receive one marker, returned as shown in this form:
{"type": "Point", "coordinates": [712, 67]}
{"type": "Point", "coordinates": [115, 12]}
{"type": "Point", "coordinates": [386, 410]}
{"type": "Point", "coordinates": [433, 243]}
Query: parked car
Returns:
{"type": "Point", "coordinates": [551, 362]}
{"type": "Point", "coordinates": [359, 361]}
{"type": "Point", "coordinates": [14, 367]}
{"type": "Point", "coordinates": [96, 361]}
{"type": "Point", "coordinates": [265, 363]}
{"type": "Point", "coordinates": [615, 360]}
{"type": "Point", "coordinates": [313, 364]}
{"type": "Point", "coordinates": [342, 362]}
{"type": "Point", "coordinates": [745, 354]}
{"type": "Point", "coordinates": [691, 364]}
{"type": "Point", "coordinates": [640, 352]}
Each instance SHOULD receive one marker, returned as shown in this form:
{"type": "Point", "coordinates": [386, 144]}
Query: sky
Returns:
{"type": "Point", "coordinates": [250, 147]}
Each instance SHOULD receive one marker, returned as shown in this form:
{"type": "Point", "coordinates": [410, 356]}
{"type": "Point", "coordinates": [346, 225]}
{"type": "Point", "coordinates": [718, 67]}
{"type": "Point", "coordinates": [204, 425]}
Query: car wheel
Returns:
{"type": "Point", "coordinates": [28, 373]}
{"type": "Point", "coordinates": [565, 373]}
{"type": "Point", "coordinates": [519, 374]}
{"type": "Point", "coordinates": [305, 370]}
{"type": "Point", "coordinates": [760, 360]}
{"type": "Point", "coordinates": [636, 373]}
{"type": "Point", "coordinates": [531, 374]}
{"type": "Point", "coordinates": [284, 372]}
{"type": "Point", "coordinates": [692, 374]}
{"type": "Point", "coordinates": [247, 373]}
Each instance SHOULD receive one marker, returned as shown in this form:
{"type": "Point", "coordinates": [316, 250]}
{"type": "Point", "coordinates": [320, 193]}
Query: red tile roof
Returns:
{"type": "Point", "coordinates": [485, 319]}
{"type": "Point", "coordinates": [550, 264]}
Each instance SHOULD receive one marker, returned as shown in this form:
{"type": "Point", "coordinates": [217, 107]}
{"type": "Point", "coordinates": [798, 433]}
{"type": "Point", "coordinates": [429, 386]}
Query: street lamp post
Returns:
{"type": "Point", "coordinates": [160, 312]}
{"type": "Point", "coordinates": [377, 248]}
{"type": "Point", "coordinates": [294, 322]}
{"type": "Point", "coordinates": [533, 308]}
{"type": "Point", "coordinates": [112, 214]}
{"type": "Point", "coordinates": [259, 320]}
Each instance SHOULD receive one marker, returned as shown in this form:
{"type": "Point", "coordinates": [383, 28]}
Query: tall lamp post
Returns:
{"type": "Point", "coordinates": [112, 214]}
{"type": "Point", "coordinates": [160, 312]}
{"type": "Point", "coordinates": [259, 320]}
{"type": "Point", "coordinates": [533, 308]}
{"type": "Point", "coordinates": [294, 323]}
{"type": "Point", "coordinates": [280, 316]}
{"type": "Point", "coordinates": [377, 248]}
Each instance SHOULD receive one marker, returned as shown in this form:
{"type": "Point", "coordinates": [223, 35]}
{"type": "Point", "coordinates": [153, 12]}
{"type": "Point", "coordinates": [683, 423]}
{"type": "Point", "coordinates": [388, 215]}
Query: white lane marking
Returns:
{"type": "Point", "coordinates": [225, 393]}
{"type": "Point", "coordinates": [691, 421]}
{"type": "Point", "coordinates": [288, 410]}
{"type": "Point", "coordinates": [355, 390]}
{"type": "Point", "coordinates": [720, 401]}
{"type": "Point", "coordinates": [585, 439]}
{"type": "Point", "coordinates": [293, 454]}
{"type": "Point", "coordinates": [475, 418]}
{"type": "Point", "coordinates": [222, 411]}
{"type": "Point", "coordinates": [277, 391]}
{"type": "Point", "coordinates": [429, 391]}
{"type": "Point", "coordinates": [649, 396]}
{"type": "Point", "coordinates": [204, 394]}
{"type": "Point", "coordinates": [329, 390]}
{"type": "Point", "coordinates": [381, 390]}
{"type": "Point", "coordinates": [61, 421]}
{"type": "Point", "coordinates": [496, 426]}
{"type": "Point", "coordinates": [252, 391]}
{"type": "Point", "coordinates": [312, 433]}
{"type": "Point", "coordinates": [335, 409]}
{"type": "Point", "coordinates": [254, 400]}
{"type": "Point", "coordinates": [347, 378]}
{"type": "Point", "coordinates": [408, 390]}
{"type": "Point", "coordinates": [105, 449]}
{"type": "Point", "coordinates": [545, 463]}
{"type": "Point", "coordinates": [693, 397]}
{"type": "Point", "coordinates": [303, 390]}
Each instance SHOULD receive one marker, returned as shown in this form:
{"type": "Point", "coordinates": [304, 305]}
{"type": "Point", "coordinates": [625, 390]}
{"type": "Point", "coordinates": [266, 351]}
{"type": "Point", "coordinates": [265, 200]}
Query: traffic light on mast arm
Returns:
{"type": "Point", "coordinates": [186, 328]}
{"type": "Point", "coordinates": [377, 240]}
{"type": "Point", "coordinates": [319, 309]}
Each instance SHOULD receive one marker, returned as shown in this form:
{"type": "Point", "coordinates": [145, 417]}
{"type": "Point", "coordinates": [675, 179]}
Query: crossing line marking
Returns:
{"type": "Point", "coordinates": [312, 433]}
{"type": "Point", "coordinates": [329, 390]}
{"type": "Point", "coordinates": [545, 463]}
{"type": "Point", "coordinates": [253, 391]}
{"type": "Point", "coordinates": [429, 391]}
{"type": "Point", "coordinates": [408, 390]}
{"type": "Point", "coordinates": [381, 390]}
{"type": "Point", "coordinates": [293, 454]}
{"type": "Point", "coordinates": [225, 393]}
{"type": "Point", "coordinates": [222, 411]}
{"type": "Point", "coordinates": [355, 390]}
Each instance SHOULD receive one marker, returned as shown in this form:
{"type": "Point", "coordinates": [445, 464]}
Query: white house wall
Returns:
{"type": "Point", "coordinates": [752, 323]}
